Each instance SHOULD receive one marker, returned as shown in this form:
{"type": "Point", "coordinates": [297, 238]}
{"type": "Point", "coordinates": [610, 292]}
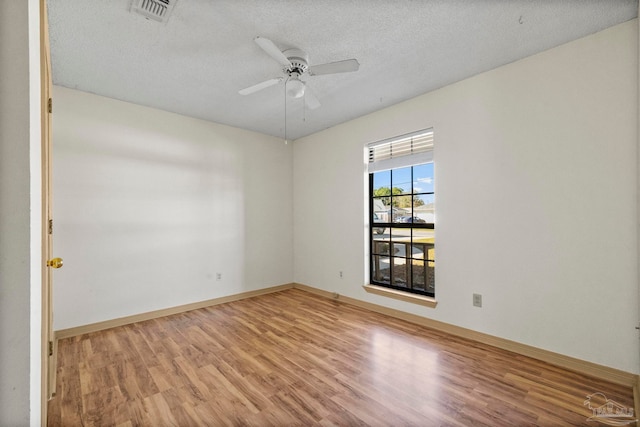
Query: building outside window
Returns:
{"type": "Point", "coordinates": [402, 213]}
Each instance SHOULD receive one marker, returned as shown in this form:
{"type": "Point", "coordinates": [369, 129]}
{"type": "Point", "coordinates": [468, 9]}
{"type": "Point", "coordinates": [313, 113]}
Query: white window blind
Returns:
{"type": "Point", "coordinates": [405, 150]}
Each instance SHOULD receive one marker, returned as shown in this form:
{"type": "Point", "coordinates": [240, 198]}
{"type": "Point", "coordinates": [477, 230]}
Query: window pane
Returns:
{"type": "Point", "coordinates": [431, 255]}
{"type": "Point", "coordinates": [381, 247]}
{"type": "Point", "coordinates": [381, 269]}
{"type": "Point", "coordinates": [400, 249]}
{"type": "Point", "coordinates": [401, 234]}
{"type": "Point", "coordinates": [419, 250]}
{"type": "Point", "coordinates": [423, 178]}
{"type": "Point", "coordinates": [382, 180]}
{"type": "Point", "coordinates": [382, 209]}
{"type": "Point", "coordinates": [418, 276]}
{"type": "Point", "coordinates": [424, 208]}
{"type": "Point", "coordinates": [402, 208]}
{"type": "Point", "coordinates": [431, 280]}
{"type": "Point", "coordinates": [400, 272]}
{"type": "Point", "coordinates": [423, 235]}
{"type": "Point", "coordinates": [425, 239]}
{"type": "Point", "coordinates": [401, 181]}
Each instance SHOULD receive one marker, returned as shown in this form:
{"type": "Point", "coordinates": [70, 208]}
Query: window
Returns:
{"type": "Point", "coordinates": [402, 213]}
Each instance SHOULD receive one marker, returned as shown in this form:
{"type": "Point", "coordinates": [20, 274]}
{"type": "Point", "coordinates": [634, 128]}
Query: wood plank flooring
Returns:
{"type": "Point", "coordinates": [296, 359]}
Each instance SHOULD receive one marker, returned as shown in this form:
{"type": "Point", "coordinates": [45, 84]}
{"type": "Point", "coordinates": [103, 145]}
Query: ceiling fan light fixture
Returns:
{"type": "Point", "coordinates": [295, 88]}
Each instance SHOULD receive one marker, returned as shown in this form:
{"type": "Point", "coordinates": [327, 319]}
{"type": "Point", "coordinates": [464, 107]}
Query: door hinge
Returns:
{"type": "Point", "coordinates": [50, 226]}
{"type": "Point", "coordinates": [49, 105]}
{"type": "Point", "coordinates": [50, 348]}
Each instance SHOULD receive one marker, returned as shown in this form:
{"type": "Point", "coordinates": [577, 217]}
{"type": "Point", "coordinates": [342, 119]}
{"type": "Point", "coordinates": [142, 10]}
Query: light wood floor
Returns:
{"type": "Point", "coordinates": [293, 358]}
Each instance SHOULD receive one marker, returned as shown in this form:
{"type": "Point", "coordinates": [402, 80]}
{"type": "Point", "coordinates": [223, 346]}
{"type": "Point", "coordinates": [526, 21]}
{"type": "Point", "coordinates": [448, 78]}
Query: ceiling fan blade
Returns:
{"type": "Point", "coordinates": [310, 99]}
{"type": "Point", "coordinates": [345, 66]}
{"type": "Point", "coordinates": [272, 50]}
{"type": "Point", "coordinates": [251, 89]}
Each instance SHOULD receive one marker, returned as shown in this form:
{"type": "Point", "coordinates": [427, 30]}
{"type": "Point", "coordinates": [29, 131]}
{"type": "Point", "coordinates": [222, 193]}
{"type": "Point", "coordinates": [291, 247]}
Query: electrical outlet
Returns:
{"type": "Point", "coordinates": [341, 274]}
{"type": "Point", "coordinates": [218, 276]}
{"type": "Point", "coordinates": [477, 300]}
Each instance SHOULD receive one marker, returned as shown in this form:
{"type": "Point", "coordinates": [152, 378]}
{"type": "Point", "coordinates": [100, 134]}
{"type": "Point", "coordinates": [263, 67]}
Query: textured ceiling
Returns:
{"type": "Point", "coordinates": [196, 62]}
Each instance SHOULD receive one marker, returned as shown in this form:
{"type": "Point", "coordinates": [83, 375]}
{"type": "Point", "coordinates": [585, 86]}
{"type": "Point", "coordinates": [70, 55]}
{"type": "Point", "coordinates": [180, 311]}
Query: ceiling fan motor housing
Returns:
{"type": "Point", "coordinates": [299, 61]}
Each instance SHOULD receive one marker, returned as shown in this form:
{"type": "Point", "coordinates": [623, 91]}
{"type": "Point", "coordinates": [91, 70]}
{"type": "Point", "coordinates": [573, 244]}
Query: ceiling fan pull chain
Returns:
{"type": "Point", "coordinates": [285, 111]}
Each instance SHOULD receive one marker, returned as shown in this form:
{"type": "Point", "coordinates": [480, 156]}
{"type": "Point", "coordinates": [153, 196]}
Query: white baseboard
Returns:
{"type": "Point", "coordinates": [599, 371]}
{"type": "Point", "coordinates": [121, 321]}
{"type": "Point", "coordinates": [588, 368]}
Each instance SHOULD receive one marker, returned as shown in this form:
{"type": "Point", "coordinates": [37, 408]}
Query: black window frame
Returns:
{"type": "Point", "coordinates": [411, 264]}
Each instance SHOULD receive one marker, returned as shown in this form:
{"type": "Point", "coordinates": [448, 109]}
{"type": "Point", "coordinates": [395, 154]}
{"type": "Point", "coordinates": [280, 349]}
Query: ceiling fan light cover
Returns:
{"type": "Point", "coordinates": [295, 88]}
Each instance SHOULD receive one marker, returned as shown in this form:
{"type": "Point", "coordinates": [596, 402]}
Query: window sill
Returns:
{"type": "Point", "coordinates": [402, 296]}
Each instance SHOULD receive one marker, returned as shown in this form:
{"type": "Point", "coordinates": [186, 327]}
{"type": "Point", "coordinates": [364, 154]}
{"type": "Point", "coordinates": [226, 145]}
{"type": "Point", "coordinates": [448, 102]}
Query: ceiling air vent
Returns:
{"type": "Point", "coordinates": [158, 10]}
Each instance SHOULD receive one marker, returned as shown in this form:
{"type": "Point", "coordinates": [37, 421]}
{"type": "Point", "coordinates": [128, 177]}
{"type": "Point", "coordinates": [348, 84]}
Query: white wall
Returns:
{"type": "Point", "coordinates": [536, 200]}
{"type": "Point", "coordinates": [149, 206]}
{"type": "Point", "coordinates": [20, 214]}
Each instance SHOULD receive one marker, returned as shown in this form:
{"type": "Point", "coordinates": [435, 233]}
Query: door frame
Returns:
{"type": "Point", "coordinates": [48, 344]}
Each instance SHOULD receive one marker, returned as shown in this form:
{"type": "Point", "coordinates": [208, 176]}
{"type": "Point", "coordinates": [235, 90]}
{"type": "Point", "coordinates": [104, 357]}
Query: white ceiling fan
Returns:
{"type": "Point", "coordinates": [296, 65]}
